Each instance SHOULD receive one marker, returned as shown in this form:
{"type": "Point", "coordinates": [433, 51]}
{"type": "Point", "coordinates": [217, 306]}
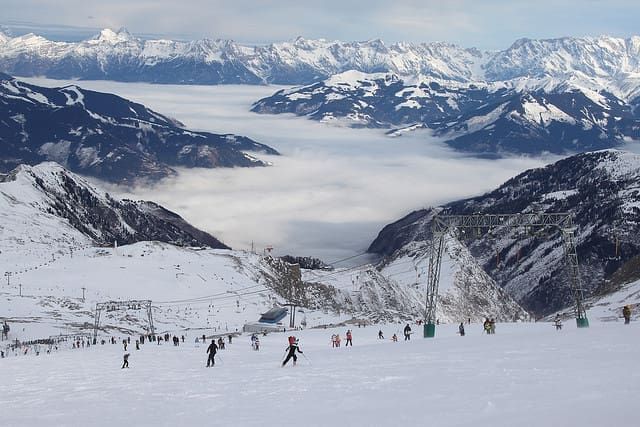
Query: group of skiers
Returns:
{"type": "Point", "coordinates": [394, 337]}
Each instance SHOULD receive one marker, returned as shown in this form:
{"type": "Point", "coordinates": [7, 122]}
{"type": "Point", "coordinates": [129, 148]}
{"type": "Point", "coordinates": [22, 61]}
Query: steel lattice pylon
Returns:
{"type": "Point", "coordinates": [441, 224]}
{"type": "Point", "coordinates": [123, 305]}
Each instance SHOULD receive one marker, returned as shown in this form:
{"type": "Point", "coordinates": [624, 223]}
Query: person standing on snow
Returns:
{"type": "Point", "coordinates": [292, 353]}
{"type": "Point", "coordinates": [349, 338]}
{"type": "Point", "coordinates": [380, 336]}
{"type": "Point", "coordinates": [626, 313]}
{"type": "Point", "coordinates": [407, 333]}
{"type": "Point", "coordinates": [461, 329]}
{"type": "Point", "coordinates": [212, 349]}
{"type": "Point", "coordinates": [558, 322]}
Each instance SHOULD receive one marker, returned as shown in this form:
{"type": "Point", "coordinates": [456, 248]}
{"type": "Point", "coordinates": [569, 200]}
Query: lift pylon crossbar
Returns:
{"type": "Point", "coordinates": [441, 224]}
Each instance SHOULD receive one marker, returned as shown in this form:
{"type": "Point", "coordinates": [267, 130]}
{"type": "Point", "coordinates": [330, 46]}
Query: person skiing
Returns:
{"type": "Point", "coordinates": [558, 322]}
{"type": "Point", "coordinates": [626, 313]}
{"type": "Point", "coordinates": [212, 349]}
{"type": "Point", "coordinates": [380, 336]}
{"type": "Point", "coordinates": [394, 338]}
{"type": "Point", "coordinates": [338, 339]}
{"type": "Point", "coordinates": [255, 342]}
{"type": "Point", "coordinates": [407, 333]}
{"type": "Point", "coordinates": [349, 338]}
{"type": "Point", "coordinates": [125, 363]}
{"type": "Point", "coordinates": [461, 329]}
{"type": "Point", "coordinates": [333, 341]}
{"type": "Point", "coordinates": [487, 326]}
{"type": "Point", "coordinates": [292, 353]}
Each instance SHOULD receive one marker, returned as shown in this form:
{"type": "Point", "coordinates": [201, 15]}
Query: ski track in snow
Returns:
{"type": "Point", "coordinates": [524, 375]}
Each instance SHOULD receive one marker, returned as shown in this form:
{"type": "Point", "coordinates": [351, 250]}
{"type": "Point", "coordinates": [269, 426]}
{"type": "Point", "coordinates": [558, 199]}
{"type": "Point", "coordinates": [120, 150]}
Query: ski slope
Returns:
{"type": "Point", "coordinates": [527, 374]}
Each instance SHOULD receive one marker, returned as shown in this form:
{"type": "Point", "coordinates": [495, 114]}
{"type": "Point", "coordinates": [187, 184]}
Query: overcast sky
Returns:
{"type": "Point", "coordinates": [486, 24]}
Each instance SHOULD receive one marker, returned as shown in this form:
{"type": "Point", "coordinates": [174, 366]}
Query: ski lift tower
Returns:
{"type": "Point", "coordinates": [123, 305]}
{"type": "Point", "coordinates": [441, 225]}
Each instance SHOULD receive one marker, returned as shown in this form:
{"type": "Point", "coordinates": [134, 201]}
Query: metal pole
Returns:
{"type": "Point", "coordinates": [435, 261]}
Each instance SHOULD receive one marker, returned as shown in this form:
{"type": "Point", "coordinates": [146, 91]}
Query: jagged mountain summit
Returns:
{"type": "Point", "coordinates": [600, 191]}
{"type": "Point", "coordinates": [121, 56]}
{"type": "Point", "coordinates": [105, 136]}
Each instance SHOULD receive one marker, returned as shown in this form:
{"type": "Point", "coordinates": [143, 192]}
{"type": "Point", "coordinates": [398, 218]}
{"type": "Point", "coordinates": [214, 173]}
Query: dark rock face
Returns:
{"type": "Point", "coordinates": [105, 136]}
{"type": "Point", "coordinates": [601, 191]}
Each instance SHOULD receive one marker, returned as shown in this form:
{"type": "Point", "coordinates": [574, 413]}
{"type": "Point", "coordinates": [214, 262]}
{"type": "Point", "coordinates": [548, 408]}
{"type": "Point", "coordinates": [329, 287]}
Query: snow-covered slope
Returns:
{"type": "Point", "coordinates": [59, 235]}
{"type": "Point", "coordinates": [599, 190]}
{"type": "Point", "coordinates": [526, 375]}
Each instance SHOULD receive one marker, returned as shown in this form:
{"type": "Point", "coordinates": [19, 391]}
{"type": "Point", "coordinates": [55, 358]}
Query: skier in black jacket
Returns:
{"type": "Point", "coordinates": [407, 332]}
{"type": "Point", "coordinates": [212, 349]}
{"type": "Point", "coordinates": [292, 353]}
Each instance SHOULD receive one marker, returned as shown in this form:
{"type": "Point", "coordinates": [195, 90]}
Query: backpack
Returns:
{"type": "Point", "coordinates": [292, 339]}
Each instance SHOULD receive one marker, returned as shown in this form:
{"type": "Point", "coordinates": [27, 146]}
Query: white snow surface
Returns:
{"type": "Point", "coordinates": [526, 375]}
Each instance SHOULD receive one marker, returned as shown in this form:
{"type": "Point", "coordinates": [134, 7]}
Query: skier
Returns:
{"type": "Point", "coordinates": [212, 349]}
{"type": "Point", "coordinates": [380, 336]}
{"type": "Point", "coordinates": [407, 333]}
{"type": "Point", "coordinates": [349, 338]}
{"type": "Point", "coordinates": [255, 342]}
{"type": "Point", "coordinates": [394, 338]}
{"type": "Point", "coordinates": [558, 322]}
{"type": "Point", "coordinates": [338, 339]}
{"type": "Point", "coordinates": [292, 353]}
{"type": "Point", "coordinates": [492, 325]}
{"type": "Point", "coordinates": [461, 329]}
{"type": "Point", "coordinates": [124, 343]}
{"type": "Point", "coordinates": [626, 313]}
{"type": "Point", "coordinates": [125, 363]}
{"type": "Point", "coordinates": [487, 326]}
{"type": "Point", "coordinates": [137, 345]}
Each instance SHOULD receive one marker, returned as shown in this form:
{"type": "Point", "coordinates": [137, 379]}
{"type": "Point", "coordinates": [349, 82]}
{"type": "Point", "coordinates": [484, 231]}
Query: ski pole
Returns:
{"type": "Point", "coordinates": [305, 356]}
{"type": "Point", "coordinates": [220, 359]}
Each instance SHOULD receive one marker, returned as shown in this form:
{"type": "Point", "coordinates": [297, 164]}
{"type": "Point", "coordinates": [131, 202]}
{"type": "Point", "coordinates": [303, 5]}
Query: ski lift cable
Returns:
{"type": "Point", "coordinates": [219, 296]}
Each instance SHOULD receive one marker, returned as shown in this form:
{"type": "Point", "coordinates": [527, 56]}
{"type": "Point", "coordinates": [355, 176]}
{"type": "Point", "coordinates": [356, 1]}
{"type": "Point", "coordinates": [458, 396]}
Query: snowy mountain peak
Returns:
{"type": "Point", "coordinates": [114, 37]}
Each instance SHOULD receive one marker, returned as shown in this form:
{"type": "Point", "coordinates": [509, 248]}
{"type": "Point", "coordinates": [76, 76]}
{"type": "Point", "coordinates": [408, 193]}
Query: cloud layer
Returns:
{"type": "Point", "coordinates": [330, 192]}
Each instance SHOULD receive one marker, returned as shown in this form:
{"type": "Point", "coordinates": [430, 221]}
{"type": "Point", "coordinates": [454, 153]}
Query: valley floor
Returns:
{"type": "Point", "coordinates": [527, 374]}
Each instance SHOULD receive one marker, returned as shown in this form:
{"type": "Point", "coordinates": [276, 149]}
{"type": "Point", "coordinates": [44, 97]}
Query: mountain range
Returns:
{"type": "Point", "coordinates": [106, 136]}
{"type": "Point", "coordinates": [121, 56]}
{"type": "Point", "coordinates": [562, 96]}
{"type": "Point", "coordinates": [548, 115]}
